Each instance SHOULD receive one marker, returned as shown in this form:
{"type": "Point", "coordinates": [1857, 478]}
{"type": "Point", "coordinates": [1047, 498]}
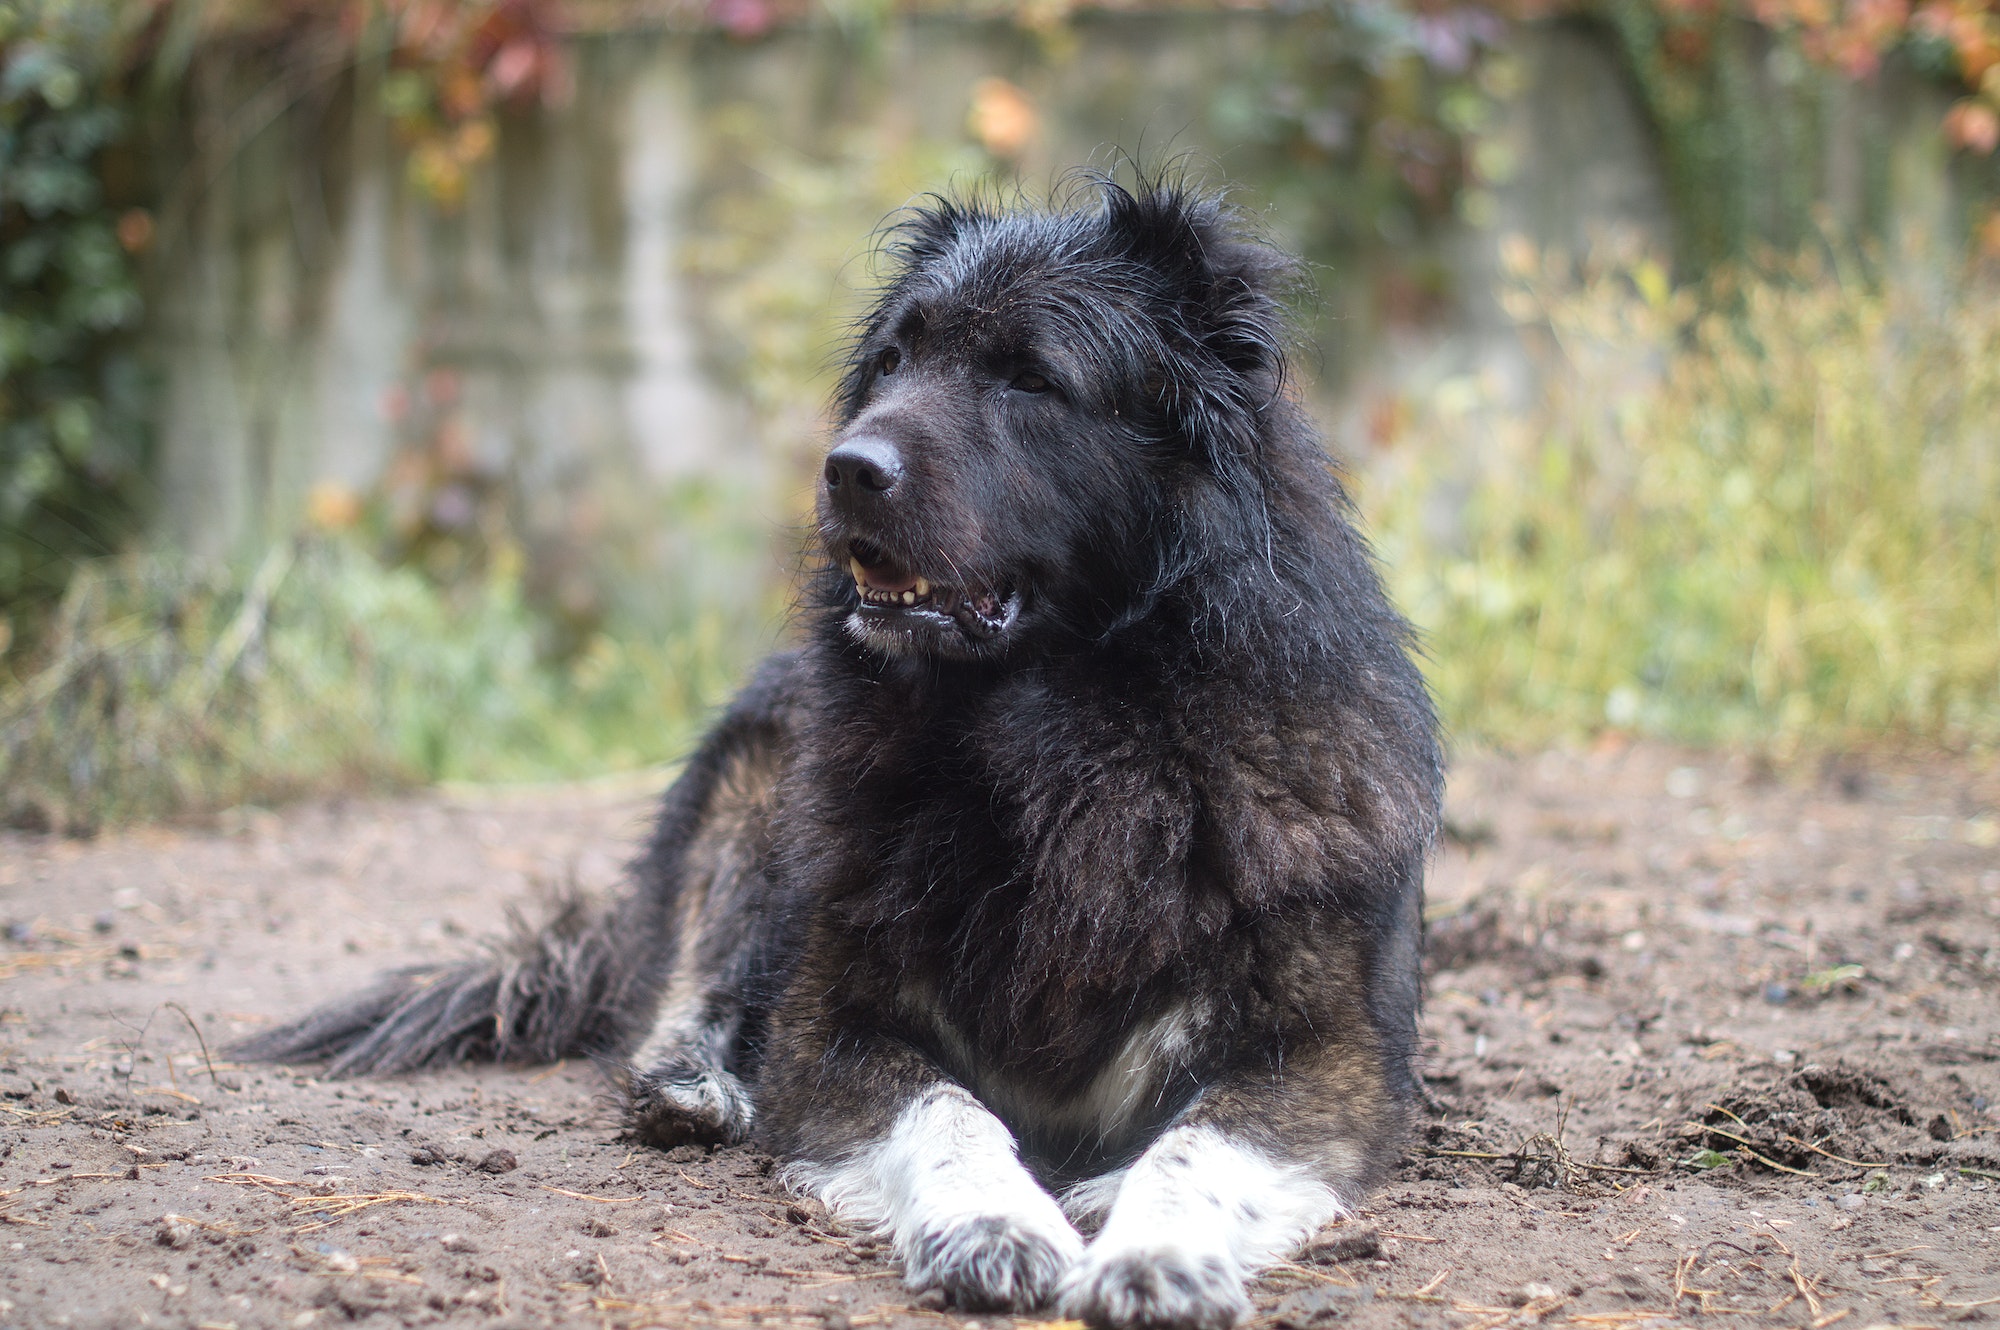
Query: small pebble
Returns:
{"type": "Point", "coordinates": [1854, 1200]}
{"type": "Point", "coordinates": [456, 1242]}
{"type": "Point", "coordinates": [338, 1260]}
{"type": "Point", "coordinates": [499, 1161]}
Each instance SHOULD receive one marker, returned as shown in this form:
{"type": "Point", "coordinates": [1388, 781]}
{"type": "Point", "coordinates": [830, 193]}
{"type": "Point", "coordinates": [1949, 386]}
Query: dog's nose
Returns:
{"type": "Point", "coordinates": [869, 465]}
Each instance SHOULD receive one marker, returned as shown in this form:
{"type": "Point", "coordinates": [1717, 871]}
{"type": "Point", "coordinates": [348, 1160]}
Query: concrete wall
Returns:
{"type": "Point", "coordinates": [311, 292]}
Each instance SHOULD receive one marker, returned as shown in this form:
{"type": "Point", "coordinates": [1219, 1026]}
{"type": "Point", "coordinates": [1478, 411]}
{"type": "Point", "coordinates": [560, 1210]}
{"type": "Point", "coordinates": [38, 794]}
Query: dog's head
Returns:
{"type": "Point", "coordinates": [1033, 410]}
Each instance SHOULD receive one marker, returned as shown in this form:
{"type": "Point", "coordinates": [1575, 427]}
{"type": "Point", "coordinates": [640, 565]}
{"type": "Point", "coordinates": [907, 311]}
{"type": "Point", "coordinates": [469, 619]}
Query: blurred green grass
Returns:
{"type": "Point", "coordinates": [168, 689]}
{"type": "Point", "coordinates": [1764, 513]}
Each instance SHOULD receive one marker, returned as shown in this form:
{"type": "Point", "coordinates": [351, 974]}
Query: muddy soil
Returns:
{"type": "Point", "coordinates": [1707, 1043]}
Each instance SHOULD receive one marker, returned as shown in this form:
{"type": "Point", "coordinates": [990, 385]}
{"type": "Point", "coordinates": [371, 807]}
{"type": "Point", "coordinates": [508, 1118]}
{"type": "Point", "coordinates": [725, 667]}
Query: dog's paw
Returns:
{"type": "Point", "coordinates": [992, 1261]}
{"type": "Point", "coordinates": [684, 1104]}
{"type": "Point", "coordinates": [1161, 1288]}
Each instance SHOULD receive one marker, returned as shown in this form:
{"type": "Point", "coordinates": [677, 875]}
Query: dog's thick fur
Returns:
{"type": "Point", "coordinates": [1077, 851]}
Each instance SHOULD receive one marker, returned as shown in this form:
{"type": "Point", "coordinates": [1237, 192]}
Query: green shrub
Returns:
{"type": "Point", "coordinates": [1768, 515]}
{"type": "Point", "coordinates": [166, 689]}
{"type": "Point", "coordinates": [72, 396]}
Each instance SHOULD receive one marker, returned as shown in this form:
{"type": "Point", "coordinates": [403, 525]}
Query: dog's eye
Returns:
{"type": "Point", "coordinates": [886, 362]}
{"type": "Point", "coordinates": [1029, 382]}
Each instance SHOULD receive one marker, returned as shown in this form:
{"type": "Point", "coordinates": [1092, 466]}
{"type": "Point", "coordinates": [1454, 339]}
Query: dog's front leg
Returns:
{"type": "Point", "coordinates": [1196, 1215]}
{"type": "Point", "coordinates": [890, 1143]}
{"type": "Point", "coordinates": [1253, 1166]}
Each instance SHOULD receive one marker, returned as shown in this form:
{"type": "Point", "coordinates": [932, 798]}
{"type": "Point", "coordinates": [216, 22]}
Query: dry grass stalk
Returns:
{"type": "Point", "coordinates": [332, 1207]}
{"type": "Point", "coordinates": [601, 1200]}
{"type": "Point", "coordinates": [1805, 1286]}
{"type": "Point", "coordinates": [36, 1117]}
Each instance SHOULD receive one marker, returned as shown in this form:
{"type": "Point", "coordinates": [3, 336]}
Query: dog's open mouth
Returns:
{"type": "Point", "coordinates": [887, 587]}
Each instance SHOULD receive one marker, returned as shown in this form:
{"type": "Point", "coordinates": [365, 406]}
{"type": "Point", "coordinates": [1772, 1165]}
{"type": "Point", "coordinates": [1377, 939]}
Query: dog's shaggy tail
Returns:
{"type": "Point", "coordinates": [586, 980]}
{"type": "Point", "coordinates": [572, 986]}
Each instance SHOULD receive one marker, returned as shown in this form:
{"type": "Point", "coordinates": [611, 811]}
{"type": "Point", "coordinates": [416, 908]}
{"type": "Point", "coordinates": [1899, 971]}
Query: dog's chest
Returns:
{"type": "Point", "coordinates": [1040, 946]}
{"type": "Point", "coordinates": [1087, 1110]}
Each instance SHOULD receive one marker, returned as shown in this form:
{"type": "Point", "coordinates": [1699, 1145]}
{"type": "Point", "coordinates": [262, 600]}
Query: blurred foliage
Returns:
{"type": "Point", "coordinates": [452, 65]}
{"type": "Point", "coordinates": [1770, 514]}
{"type": "Point", "coordinates": [1742, 95]}
{"type": "Point", "coordinates": [167, 689]}
{"type": "Point", "coordinates": [71, 393]}
{"type": "Point", "coordinates": [1953, 39]}
{"type": "Point", "coordinates": [1379, 109]}
{"type": "Point", "coordinates": [78, 79]}
{"type": "Point", "coordinates": [1374, 124]}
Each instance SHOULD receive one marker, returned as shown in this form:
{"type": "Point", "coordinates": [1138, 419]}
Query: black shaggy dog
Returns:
{"type": "Point", "coordinates": [1068, 876]}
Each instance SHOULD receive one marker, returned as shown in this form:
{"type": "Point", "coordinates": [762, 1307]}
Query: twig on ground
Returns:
{"type": "Point", "coordinates": [1838, 1159]}
{"type": "Point", "coordinates": [1748, 1148]}
{"type": "Point", "coordinates": [1297, 1271]}
{"type": "Point", "coordinates": [200, 1039]}
{"type": "Point", "coordinates": [601, 1200]}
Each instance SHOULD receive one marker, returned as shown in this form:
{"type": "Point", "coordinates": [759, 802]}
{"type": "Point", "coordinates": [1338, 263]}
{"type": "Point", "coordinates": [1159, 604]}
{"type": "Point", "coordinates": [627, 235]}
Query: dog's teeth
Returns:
{"type": "Point", "coordinates": [860, 578]}
{"type": "Point", "coordinates": [909, 597]}
{"type": "Point", "coordinates": [923, 588]}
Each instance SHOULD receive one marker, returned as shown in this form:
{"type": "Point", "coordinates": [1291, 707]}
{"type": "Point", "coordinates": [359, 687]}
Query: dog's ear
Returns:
{"type": "Point", "coordinates": [1224, 325]}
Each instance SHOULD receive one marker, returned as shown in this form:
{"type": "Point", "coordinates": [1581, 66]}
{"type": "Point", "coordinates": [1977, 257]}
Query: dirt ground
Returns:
{"type": "Point", "coordinates": [1708, 1043]}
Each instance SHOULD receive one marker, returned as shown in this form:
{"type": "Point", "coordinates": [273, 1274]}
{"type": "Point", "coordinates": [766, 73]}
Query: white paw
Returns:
{"type": "Point", "coordinates": [1165, 1287]}
{"type": "Point", "coordinates": [991, 1261]}
{"type": "Point", "coordinates": [679, 1104]}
